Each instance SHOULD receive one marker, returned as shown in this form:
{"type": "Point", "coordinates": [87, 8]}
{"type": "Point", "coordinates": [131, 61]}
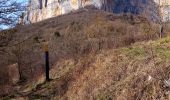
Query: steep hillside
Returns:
{"type": "Point", "coordinates": [93, 55]}
{"type": "Point", "coordinates": [140, 71]}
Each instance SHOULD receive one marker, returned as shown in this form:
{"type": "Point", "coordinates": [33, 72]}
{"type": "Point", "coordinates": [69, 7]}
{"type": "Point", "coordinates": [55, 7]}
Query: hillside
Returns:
{"type": "Point", "coordinates": [94, 55]}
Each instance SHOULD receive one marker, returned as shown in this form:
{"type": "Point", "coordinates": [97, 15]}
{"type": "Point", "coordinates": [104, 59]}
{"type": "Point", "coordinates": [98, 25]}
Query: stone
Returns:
{"type": "Point", "coordinates": [152, 9]}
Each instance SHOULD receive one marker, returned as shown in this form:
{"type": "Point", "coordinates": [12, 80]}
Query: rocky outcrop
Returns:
{"type": "Point", "coordinates": [164, 9]}
{"type": "Point", "coordinates": [39, 10]}
{"type": "Point", "coordinates": [43, 9]}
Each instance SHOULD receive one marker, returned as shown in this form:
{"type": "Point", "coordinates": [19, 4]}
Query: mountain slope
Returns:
{"type": "Point", "coordinates": [140, 71]}
{"type": "Point", "coordinates": [93, 55]}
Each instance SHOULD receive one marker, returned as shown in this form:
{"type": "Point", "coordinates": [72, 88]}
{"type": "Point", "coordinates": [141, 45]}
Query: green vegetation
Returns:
{"type": "Point", "coordinates": [134, 51]}
{"type": "Point", "coordinates": [8, 97]}
{"type": "Point", "coordinates": [38, 97]}
{"type": "Point", "coordinates": [103, 97]}
{"type": "Point", "coordinates": [162, 48]}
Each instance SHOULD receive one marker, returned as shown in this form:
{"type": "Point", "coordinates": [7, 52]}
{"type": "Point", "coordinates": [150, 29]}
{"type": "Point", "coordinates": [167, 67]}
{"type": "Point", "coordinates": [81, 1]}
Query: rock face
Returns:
{"type": "Point", "coordinates": [39, 9]}
{"type": "Point", "coordinates": [43, 9]}
{"type": "Point", "coordinates": [164, 9]}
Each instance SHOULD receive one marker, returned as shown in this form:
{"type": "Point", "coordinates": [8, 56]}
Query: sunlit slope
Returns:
{"type": "Point", "coordinates": [93, 55]}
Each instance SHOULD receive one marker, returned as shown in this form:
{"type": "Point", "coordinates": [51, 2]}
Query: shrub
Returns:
{"type": "Point", "coordinates": [36, 39]}
{"type": "Point", "coordinates": [57, 34]}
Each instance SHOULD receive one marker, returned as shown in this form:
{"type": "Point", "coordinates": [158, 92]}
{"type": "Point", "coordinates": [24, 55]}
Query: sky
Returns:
{"type": "Point", "coordinates": [23, 0]}
{"type": "Point", "coordinates": [5, 27]}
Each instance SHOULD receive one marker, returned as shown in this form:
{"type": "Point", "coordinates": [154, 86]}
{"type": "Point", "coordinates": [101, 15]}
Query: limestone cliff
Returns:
{"type": "Point", "coordinates": [164, 9]}
{"type": "Point", "coordinates": [43, 9]}
{"type": "Point", "coordinates": [38, 11]}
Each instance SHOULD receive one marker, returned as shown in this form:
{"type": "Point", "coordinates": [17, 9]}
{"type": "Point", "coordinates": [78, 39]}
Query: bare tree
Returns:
{"type": "Point", "coordinates": [10, 11]}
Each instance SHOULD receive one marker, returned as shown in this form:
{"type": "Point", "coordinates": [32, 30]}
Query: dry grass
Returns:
{"type": "Point", "coordinates": [91, 51]}
{"type": "Point", "coordinates": [126, 73]}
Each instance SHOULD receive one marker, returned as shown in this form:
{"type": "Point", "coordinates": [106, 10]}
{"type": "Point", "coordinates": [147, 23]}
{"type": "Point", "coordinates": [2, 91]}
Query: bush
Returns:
{"type": "Point", "coordinates": [57, 34]}
{"type": "Point", "coordinates": [36, 39]}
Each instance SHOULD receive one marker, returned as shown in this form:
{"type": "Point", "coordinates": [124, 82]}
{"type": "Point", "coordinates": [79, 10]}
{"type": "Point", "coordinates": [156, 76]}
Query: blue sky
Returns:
{"type": "Point", "coordinates": [22, 1]}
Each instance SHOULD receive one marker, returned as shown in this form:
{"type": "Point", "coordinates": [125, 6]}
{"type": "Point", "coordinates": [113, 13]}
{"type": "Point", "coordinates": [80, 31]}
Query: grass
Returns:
{"type": "Point", "coordinates": [105, 96]}
{"type": "Point", "coordinates": [134, 51]}
{"type": "Point", "coordinates": [130, 74]}
{"type": "Point", "coordinates": [9, 97]}
{"type": "Point", "coordinates": [159, 47]}
{"type": "Point", "coordinates": [162, 47]}
{"type": "Point", "coordinates": [38, 97]}
{"type": "Point", "coordinates": [164, 53]}
{"type": "Point", "coordinates": [129, 69]}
